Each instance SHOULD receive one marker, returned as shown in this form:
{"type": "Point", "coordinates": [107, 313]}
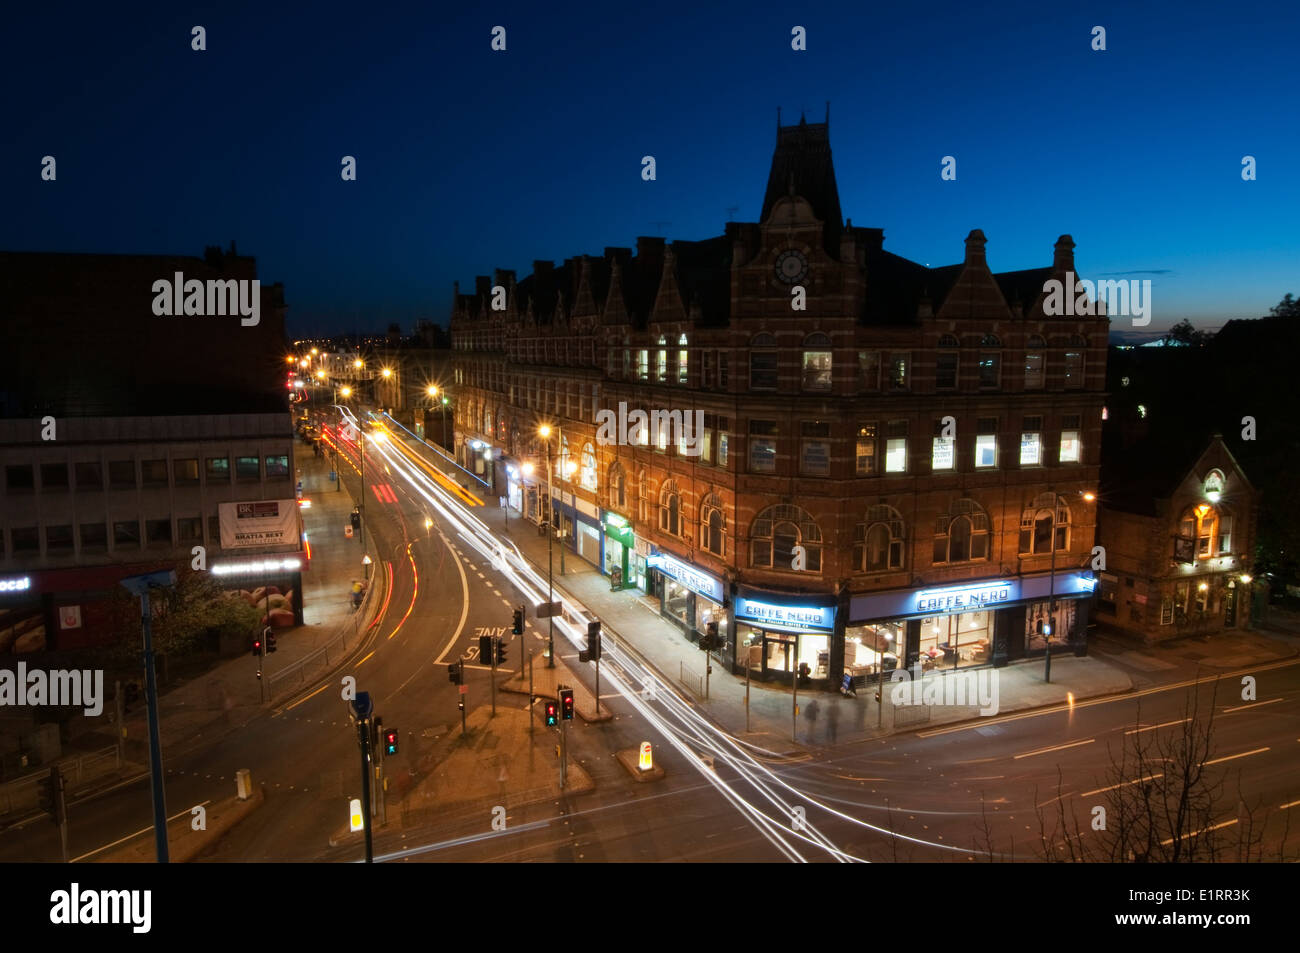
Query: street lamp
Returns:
{"type": "Point", "coordinates": [365, 565]}
{"type": "Point", "coordinates": [545, 433]}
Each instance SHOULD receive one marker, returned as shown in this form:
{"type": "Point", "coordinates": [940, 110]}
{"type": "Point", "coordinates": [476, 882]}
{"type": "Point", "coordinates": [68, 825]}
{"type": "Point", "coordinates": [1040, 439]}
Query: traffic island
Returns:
{"type": "Point", "coordinates": [630, 758]}
{"type": "Point", "coordinates": [496, 764]}
{"type": "Point", "coordinates": [547, 682]}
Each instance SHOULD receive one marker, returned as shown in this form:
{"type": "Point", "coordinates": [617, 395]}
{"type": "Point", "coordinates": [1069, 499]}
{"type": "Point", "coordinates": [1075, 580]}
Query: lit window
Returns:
{"type": "Point", "coordinates": [896, 447]}
{"type": "Point", "coordinates": [942, 456]}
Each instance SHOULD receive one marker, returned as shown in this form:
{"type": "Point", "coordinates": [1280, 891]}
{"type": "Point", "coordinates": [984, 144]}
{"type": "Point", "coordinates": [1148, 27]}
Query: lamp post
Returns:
{"type": "Point", "coordinates": [365, 566]}
{"type": "Point", "coordinates": [545, 433]}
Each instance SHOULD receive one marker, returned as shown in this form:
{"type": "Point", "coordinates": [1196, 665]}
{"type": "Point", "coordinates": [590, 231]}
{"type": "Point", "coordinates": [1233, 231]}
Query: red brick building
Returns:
{"type": "Point", "coordinates": [886, 450]}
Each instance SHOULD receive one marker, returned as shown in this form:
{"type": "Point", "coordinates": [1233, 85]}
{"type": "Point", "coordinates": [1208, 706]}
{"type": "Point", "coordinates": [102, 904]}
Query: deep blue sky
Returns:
{"type": "Point", "coordinates": [470, 159]}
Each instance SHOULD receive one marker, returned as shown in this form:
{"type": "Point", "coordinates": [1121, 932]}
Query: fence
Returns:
{"type": "Point", "coordinates": [297, 673]}
{"type": "Point", "coordinates": [691, 679]}
{"type": "Point", "coordinates": [24, 793]}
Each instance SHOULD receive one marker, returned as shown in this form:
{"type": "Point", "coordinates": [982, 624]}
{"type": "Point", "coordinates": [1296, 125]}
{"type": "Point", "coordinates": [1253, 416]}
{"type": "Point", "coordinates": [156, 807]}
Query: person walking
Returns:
{"type": "Point", "coordinates": [811, 713]}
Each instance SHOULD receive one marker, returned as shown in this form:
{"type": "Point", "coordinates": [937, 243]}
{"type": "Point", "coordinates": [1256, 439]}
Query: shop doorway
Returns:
{"type": "Point", "coordinates": [778, 654]}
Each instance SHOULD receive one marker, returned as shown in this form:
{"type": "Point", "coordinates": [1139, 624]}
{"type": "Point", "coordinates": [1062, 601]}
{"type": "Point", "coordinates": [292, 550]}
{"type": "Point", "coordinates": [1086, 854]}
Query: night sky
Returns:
{"type": "Point", "coordinates": [469, 159]}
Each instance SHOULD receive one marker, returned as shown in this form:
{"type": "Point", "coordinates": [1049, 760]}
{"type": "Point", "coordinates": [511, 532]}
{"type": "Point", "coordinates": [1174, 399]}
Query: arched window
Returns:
{"type": "Point", "coordinates": [617, 486]}
{"type": "Point", "coordinates": [661, 360]}
{"type": "Point", "coordinates": [945, 376]}
{"type": "Point", "coordinates": [763, 362]}
{"type": "Point", "coordinates": [670, 509]}
{"type": "Point", "coordinates": [990, 362]}
{"type": "Point", "coordinates": [713, 524]}
{"type": "Point", "coordinates": [962, 534]}
{"type": "Point", "coordinates": [682, 360]}
{"type": "Point", "coordinates": [587, 472]}
{"type": "Point", "coordinates": [817, 362]}
{"type": "Point", "coordinates": [878, 541]}
{"type": "Point", "coordinates": [776, 532]}
{"type": "Point", "coordinates": [1036, 524]}
{"type": "Point", "coordinates": [643, 496]}
{"type": "Point", "coordinates": [1034, 362]}
{"type": "Point", "coordinates": [1209, 527]}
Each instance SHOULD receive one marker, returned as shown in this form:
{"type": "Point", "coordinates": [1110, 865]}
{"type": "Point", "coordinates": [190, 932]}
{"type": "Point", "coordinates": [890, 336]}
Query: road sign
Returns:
{"type": "Point", "coordinates": [347, 531]}
{"type": "Point", "coordinates": [646, 760]}
{"type": "Point", "coordinates": [547, 609]}
{"type": "Point", "coordinates": [464, 689]}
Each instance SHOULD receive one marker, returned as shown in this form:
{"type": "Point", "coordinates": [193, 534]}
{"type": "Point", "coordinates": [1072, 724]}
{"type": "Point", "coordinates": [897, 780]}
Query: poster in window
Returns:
{"type": "Point", "coordinates": [1184, 549]}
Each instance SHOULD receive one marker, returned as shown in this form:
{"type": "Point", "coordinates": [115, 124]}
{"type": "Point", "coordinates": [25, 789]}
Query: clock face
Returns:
{"type": "Point", "coordinates": [791, 266]}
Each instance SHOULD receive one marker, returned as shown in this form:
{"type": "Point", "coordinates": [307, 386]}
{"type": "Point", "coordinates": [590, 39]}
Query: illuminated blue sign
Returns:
{"type": "Point", "coordinates": [966, 598]}
{"type": "Point", "coordinates": [687, 575]}
{"type": "Point", "coordinates": [791, 618]}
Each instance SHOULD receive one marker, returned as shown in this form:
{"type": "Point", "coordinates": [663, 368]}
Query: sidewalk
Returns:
{"type": "Point", "coordinates": [230, 695]}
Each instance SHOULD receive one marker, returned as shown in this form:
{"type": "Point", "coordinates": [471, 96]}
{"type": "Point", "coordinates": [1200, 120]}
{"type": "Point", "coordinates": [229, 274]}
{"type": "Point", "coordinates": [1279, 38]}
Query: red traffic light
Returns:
{"type": "Point", "coordinates": [551, 714]}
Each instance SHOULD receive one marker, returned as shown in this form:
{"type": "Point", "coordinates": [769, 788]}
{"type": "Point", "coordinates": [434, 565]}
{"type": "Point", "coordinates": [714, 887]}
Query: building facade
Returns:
{"type": "Point", "coordinates": [126, 436]}
{"type": "Point", "coordinates": [877, 462]}
{"type": "Point", "coordinates": [1178, 557]}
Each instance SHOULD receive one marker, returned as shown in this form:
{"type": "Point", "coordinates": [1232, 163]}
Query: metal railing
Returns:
{"type": "Point", "coordinates": [25, 792]}
{"type": "Point", "coordinates": [296, 674]}
{"type": "Point", "coordinates": [691, 679]}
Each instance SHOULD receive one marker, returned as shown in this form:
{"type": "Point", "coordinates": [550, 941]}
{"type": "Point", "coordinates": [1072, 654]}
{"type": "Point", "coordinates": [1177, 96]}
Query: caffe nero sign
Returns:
{"type": "Point", "coordinates": [965, 598]}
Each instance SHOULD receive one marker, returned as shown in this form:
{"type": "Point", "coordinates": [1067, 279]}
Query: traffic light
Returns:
{"type": "Point", "coordinates": [257, 646]}
{"type": "Point", "coordinates": [390, 742]}
{"type": "Point", "coordinates": [454, 673]}
{"type": "Point", "coordinates": [485, 649]}
{"type": "Point", "coordinates": [518, 627]}
{"type": "Point", "coordinates": [592, 652]}
{"type": "Point", "coordinates": [552, 714]}
{"type": "Point", "coordinates": [270, 640]}
{"type": "Point", "coordinates": [566, 703]}
{"type": "Point", "coordinates": [501, 652]}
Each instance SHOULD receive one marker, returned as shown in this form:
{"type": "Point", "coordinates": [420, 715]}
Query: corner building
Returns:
{"type": "Point", "coordinates": [905, 470]}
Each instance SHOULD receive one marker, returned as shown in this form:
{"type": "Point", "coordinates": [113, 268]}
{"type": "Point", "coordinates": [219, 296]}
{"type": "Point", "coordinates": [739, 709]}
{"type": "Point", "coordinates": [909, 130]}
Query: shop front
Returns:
{"type": "Point", "coordinates": [778, 634]}
{"type": "Point", "coordinates": [968, 625]}
{"type": "Point", "coordinates": [581, 530]}
{"type": "Point", "coordinates": [620, 550]}
{"type": "Point", "coordinates": [690, 597]}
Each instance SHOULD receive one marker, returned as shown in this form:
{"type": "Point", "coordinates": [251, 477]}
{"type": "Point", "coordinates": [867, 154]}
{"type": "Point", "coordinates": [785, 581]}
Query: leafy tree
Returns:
{"type": "Point", "coordinates": [1184, 333]}
{"type": "Point", "coordinates": [1288, 307]}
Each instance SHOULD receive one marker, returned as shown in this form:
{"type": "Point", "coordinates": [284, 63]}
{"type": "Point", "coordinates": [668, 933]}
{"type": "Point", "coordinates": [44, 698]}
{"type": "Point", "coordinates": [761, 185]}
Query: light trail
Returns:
{"type": "Point", "coordinates": [684, 728]}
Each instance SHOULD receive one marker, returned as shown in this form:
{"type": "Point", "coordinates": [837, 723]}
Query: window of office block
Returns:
{"type": "Point", "coordinates": [158, 532]}
{"type": "Point", "coordinates": [763, 363]}
{"type": "Point", "coordinates": [89, 475]}
{"type": "Point", "coordinates": [185, 472]}
{"type": "Point", "coordinates": [153, 472]}
{"type": "Point", "coordinates": [815, 448]}
{"type": "Point", "coordinates": [94, 536]}
{"type": "Point", "coordinates": [126, 534]}
{"type": "Point", "coordinates": [24, 540]}
{"type": "Point", "coordinates": [762, 446]}
{"type": "Point", "coordinates": [986, 443]}
{"type": "Point", "coordinates": [58, 539]}
{"type": "Point", "coordinates": [1031, 442]}
{"type": "Point", "coordinates": [121, 475]}
{"type": "Point", "coordinates": [54, 476]}
{"type": "Point", "coordinates": [817, 362]}
{"type": "Point", "coordinates": [1071, 449]}
{"type": "Point", "coordinates": [277, 467]}
{"type": "Point", "coordinates": [896, 447]}
{"type": "Point", "coordinates": [189, 529]}
{"type": "Point", "coordinates": [247, 468]}
{"type": "Point", "coordinates": [899, 368]}
{"type": "Point", "coordinates": [20, 477]}
{"type": "Point", "coordinates": [866, 451]}
{"type": "Point", "coordinates": [869, 370]}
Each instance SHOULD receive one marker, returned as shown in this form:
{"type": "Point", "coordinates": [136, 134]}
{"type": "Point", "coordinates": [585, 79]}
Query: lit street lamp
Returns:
{"type": "Point", "coordinates": [365, 565]}
{"type": "Point", "coordinates": [545, 433]}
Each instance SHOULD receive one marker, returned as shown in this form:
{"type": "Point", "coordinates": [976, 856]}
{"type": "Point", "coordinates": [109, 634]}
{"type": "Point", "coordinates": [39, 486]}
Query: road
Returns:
{"type": "Point", "coordinates": [963, 793]}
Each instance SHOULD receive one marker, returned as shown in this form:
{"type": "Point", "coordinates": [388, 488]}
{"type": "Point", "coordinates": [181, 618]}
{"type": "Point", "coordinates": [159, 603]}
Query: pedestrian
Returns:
{"type": "Point", "coordinates": [812, 720]}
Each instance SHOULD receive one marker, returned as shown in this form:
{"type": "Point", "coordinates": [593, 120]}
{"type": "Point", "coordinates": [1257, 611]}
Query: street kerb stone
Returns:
{"type": "Point", "coordinates": [630, 758]}
{"type": "Point", "coordinates": [185, 844]}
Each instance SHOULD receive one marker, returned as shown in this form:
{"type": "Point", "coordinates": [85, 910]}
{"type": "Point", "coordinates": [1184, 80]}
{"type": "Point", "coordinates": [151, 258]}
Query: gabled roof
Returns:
{"type": "Point", "coordinates": [802, 161]}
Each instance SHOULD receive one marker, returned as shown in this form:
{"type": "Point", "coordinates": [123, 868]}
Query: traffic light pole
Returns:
{"type": "Point", "coordinates": [531, 697]}
{"type": "Point", "coordinates": [494, 675]}
{"type": "Point", "coordinates": [155, 744]}
{"type": "Point", "coordinates": [363, 734]}
{"type": "Point", "coordinates": [564, 750]}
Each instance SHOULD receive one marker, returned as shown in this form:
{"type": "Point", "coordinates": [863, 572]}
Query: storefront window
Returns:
{"type": "Point", "coordinates": [957, 640]}
{"type": "Point", "coordinates": [1038, 623]}
{"type": "Point", "coordinates": [871, 649]}
{"type": "Point", "coordinates": [677, 600]}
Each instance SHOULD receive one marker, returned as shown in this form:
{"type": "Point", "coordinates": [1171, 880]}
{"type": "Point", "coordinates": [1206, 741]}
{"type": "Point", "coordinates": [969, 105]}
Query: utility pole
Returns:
{"type": "Point", "coordinates": [1051, 603]}
{"type": "Point", "coordinates": [494, 675]}
{"type": "Point", "coordinates": [362, 709]}
{"type": "Point", "coordinates": [746, 693]}
{"type": "Point", "coordinates": [550, 559]}
{"type": "Point", "coordinates": [532, 699]}
{"type": "Point", "coordinates": [794, 709]}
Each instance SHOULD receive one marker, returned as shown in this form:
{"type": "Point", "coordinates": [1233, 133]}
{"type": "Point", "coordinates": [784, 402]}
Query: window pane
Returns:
{"type": "Point", "coordinates": [762, 455]}
{"type": "Point", "coordinates": [185, 471]}
{"type": "Point", "coordinates": [58, 539]}
{"type": "Point", "coordinates": [1069, 446]}
{"type": "Point", "coordinates": [990, 370]}
{"type": "Point", "coordinates": [896, 455]}
{"type": "Point", "coordinates": [898, 368]}
{"type": "Point", "coordinates": [869, 370]}
{"type": "Point", "coordinates": [247, 468]}
{"type": "Point", "coordinates": [1073, 369]}
{"type": "Point", "coordinates": [189, 529]}
{"type": "Point", "coordinates": [93, 535]}
{"type": "Point", "coordinates": [25, 539]}
{"type": "Point", "coordinates": [1031, 449]}
{"type": "Point", "coordinates": [153, 472]}
{"type": "Point", "coordinates": [815, 458]}
{"type": "Point", "coordinates": [126, 534]}
{"type": "Point", "coordinates": [762, 370]}
{"type": "Point", "coordinates": [986, 450]}
{"type": "Point", "coordinates": [722, 449]}
{"type": "Point", "coordinates": [866, 450]}
{"type": "Point", "coordinates": [1034, 370]}
{"type": "Point", "coordinates": [121, 474]}
{"type": "Point", "coordinates": [89, 476]}
{"type": "Point", "coordinates": [817, 370]}
{"type": "Point", "coordinates": [54, 476]}
{"type": "Point", "coordinates": [277, 466]}
{"type": "Point", "coordinates": [946, 371]}
{"type": "Point", "coordinates": [942, 457]}
{"type": "Point", "coordinates": [20, 478]}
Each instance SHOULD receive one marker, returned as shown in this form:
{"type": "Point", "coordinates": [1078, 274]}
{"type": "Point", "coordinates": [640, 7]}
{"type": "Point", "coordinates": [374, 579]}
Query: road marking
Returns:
{"type": "Point", "coordinates": [464, 608]}
{"type": "Point", "coordinates": [317, 692]}
{"type": "Point", "coordinates": [100, 850]}
{"type": "Point", "coordinates": [1104, 700]}
{"type": "Point", "coordinates": [1255, 705]}
{"type": "Point", "coordinates": [1072, 744]}
{"type": "Point", "coordinates": [1149, 777]}
{"type": "Point", "coordinates": [1138, 731]}
{"type": "Point", "coordinates": [1233, 757]}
